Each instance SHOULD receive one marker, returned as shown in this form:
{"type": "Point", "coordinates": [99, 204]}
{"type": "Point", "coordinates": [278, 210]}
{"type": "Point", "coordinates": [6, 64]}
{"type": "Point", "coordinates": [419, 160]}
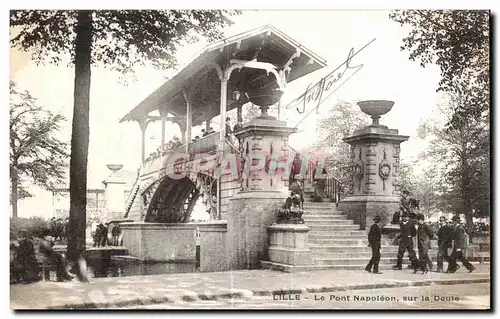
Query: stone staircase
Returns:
{"type": "Point", "coordinates": [337, 243]}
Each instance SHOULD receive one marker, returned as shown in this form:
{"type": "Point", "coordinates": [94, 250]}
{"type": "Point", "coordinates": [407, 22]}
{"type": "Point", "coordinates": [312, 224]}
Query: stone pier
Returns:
{"type": "Point", "coordinates": [375, 152]}
{"type": "Point", "coordinates": [253, 209]}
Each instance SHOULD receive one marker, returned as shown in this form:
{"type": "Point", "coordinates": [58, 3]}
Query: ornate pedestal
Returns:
{"type": "Point", "coordinates": [253, 209]}
{"type": "Point", "coordinates": [288, 244]}
{"type": "Point", "coordinates": [115, 192]}
{"type": "Point", "coordinates": [375, 160]}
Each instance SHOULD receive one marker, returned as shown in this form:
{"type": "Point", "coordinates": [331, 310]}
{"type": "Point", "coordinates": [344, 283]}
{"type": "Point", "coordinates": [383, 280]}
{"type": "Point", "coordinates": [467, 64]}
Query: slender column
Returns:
{"type": "Point", "coordinates": [143, 124]}
{"type": "Point", "coordinates": [189, 118]}
{"type": "Point", "coordinates": [183, 129]}
{"type": "Point", "coordinates": [282, 84]}
{"type": "Point", "coordinates": [207, 124]}
{"type": "Point", "coordinates": [239, 116]}
{"type": "Point", "coordinates": [162, 132]}
{"type": "Point", "coordinates": [223, 107]}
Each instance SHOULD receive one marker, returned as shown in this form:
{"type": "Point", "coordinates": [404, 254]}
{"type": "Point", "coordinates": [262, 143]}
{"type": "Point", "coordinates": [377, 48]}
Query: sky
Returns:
{"type": "Point", "coordinates": [387, 74]}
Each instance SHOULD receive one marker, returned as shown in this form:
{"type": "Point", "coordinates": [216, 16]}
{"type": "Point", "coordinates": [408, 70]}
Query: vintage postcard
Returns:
{"type": "Point", "coordinates": [250, 159]}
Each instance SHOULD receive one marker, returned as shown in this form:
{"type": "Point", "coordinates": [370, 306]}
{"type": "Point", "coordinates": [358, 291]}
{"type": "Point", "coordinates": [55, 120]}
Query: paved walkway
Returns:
{"type": "Point", "coordinates": [143, 290]}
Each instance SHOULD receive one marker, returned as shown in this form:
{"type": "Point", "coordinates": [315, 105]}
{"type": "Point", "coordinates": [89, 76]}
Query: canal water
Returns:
{"type": "Point", "coordinates": [118, 267]}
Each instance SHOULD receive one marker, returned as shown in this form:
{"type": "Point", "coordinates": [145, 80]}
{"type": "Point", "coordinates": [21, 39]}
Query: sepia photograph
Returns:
{"type": "Point", "coordinates": [243, 159]}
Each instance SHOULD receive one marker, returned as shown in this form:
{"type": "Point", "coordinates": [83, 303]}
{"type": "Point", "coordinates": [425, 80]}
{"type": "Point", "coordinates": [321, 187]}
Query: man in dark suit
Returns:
{"type": "Point", "coordinates": [407, 232]}
{"type": "Point", "coordinates": [374, 237]}
{"type": "Point", "coordinates": [459, 245]}
{"type": "Point", "coordinates": [445, 240]}
{"type": "Point", "coordinates": [424, 235]}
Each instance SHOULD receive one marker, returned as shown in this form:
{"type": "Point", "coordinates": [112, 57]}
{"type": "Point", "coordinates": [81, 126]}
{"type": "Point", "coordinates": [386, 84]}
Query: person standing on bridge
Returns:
{"type": "Point", "coordinates": [229, 131]}
{"type": "Point", "coordinates": [374, 238]}
{"type": "Point", "coordinates": [319, 184]}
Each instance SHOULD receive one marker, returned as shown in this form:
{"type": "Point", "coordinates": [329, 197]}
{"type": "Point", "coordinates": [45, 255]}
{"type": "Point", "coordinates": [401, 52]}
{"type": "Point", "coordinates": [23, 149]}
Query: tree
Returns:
{"type": "Point", "coordinates": [461, 158]}
{"type": "Point", "coordinates": [423, 186]}
{"type": "Point", "coordinates": [118, 40]}
{"type": "Point", "coordinates": [343, 119]}
{"type": "Point", "coordinates": [406, 178]}
{"type": "Point", "coordinates": [36, 155]}
{"type": "Point", "coordinates": [458, 42]}
{"type": "Point", "coordinates": [249, 112]}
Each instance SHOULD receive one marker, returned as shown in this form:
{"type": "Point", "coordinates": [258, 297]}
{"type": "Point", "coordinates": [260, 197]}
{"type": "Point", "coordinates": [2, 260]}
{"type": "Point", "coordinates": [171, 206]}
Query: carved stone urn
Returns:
{"type": "Point", "coordinates": [375, 109]}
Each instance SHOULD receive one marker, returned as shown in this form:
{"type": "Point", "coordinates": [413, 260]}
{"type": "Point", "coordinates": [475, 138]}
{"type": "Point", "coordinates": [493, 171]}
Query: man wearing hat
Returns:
{"type": "Point", "coordinates": [445, 240]}
{"type": "Point", "coordinates": [459, 245]}
{"type": "Point", "coordinates": [374, 237]}
{"type": "Point", "coordinates": [407, 232]}
{"type": "Point", "coordinates": [424, 235]}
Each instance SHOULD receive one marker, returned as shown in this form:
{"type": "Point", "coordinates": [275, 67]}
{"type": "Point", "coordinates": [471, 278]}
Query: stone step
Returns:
{"type": "Point", "coordinates": [354, 261]}
{"type": "Point", "coordinates": [360, 242]}
{"type": "Point", "coordinates": [323, 214]}
{"type": "Point", "coordinates": [353, 255]}
{"type": "Point", "coordinates": [324, 204]}
{"type": "Point", "coordinates": [389, 261]}
{"type": "Point", "coordinates": [350, 249]}
{"type": "Point", "coordinates": [320, 208]}
{"type": "Point", "coordinates": [325, 217]}
{"type": "Point", "coordinates": [311, 222]}
{"type": "Point", "coordinates": [336, 227]}
{"type": "Point", "coordinates": [360, 267]}
{"type": "Point", "coordinates": [347, 234]}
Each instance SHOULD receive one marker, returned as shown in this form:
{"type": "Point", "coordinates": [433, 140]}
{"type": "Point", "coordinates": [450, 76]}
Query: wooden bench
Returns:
{"type": "Point", "coordinates": [482, 255]}
{"type": "Point", "coordinates": [46, 269]}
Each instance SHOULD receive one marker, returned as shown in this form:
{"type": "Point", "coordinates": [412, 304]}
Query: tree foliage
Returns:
{"type": "Point", "coordinates": [344, 118]}
{"type": "Point", "coordinates": [36, 155]}
{"type": "Point", "coordinates": [458, 42]}
{"type": "Point", "coordinates": [121, 39]}
{"type": "Point", "coordinates": [460, 157]}
{"type": "Point", "coordinates": [425, 186]}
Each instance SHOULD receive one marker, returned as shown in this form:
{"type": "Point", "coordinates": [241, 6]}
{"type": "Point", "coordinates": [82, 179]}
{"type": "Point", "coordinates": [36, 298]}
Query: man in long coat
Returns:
{"type": "Point", "coordinates": [459, 246]}
{"type": "Point", "coordinates": [424, 235]}
{"type": "Point", "coordinates": [407, 232]}
{"type": "Point", "coordinates": [374, 237]}
{"type": "Point", "coordinates": [445, 241]}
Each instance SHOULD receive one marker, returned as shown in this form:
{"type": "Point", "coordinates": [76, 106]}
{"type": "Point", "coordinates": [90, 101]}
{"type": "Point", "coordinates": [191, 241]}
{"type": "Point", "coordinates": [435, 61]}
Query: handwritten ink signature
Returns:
{"type": "Point", "coordinates": [315, 92]}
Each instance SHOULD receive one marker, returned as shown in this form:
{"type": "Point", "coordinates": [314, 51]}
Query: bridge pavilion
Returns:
{"type": "Point", "coordinates": [252, 67]}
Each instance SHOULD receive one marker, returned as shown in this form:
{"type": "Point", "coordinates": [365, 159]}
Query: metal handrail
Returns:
{"type": "Point", "coordinates": [232, 145]}
{"type": "Point", "coordinates": [132, 195]}
{"type": "Point", "coordinates": [333, 186]}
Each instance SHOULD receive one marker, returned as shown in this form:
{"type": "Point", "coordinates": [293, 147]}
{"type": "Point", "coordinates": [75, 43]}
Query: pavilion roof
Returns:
{"type": "Point", "coordinates": [266, 44]}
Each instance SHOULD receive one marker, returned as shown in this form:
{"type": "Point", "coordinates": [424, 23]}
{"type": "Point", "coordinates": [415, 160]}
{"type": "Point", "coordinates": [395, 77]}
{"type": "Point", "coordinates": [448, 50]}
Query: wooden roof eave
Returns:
{"type": "Point", "coordinates": [199, 61]}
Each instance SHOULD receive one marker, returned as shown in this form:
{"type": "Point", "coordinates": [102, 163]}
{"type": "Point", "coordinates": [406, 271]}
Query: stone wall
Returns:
{"type": "Point", "coordinates": [248, 239]}
{"type": "Point", "coordinates": [229, 187]}
{"type": "Point", "coordinates": [160, 242]}
{"type": "Point", "coordinates": [362, 209]}
{"type": "Point", "coordinates": [213, 246]}
{"type": "Point", "coordinates": [177, 243]}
